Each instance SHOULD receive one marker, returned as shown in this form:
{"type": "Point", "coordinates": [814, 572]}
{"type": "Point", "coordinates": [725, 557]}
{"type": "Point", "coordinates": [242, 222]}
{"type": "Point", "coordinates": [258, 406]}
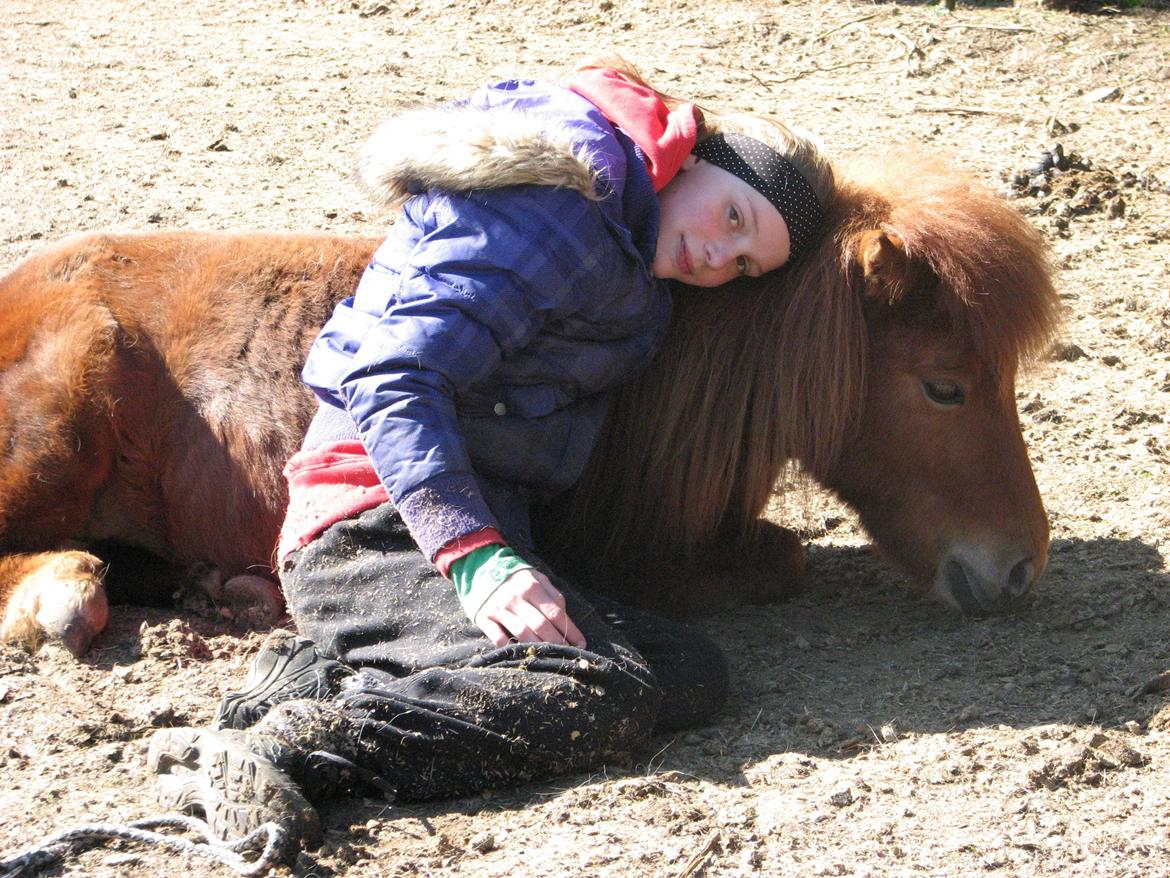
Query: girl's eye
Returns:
{"type": "Point", "coordinates": [733, 215]}
{"type": "Point", "coordinates": [741, 264]}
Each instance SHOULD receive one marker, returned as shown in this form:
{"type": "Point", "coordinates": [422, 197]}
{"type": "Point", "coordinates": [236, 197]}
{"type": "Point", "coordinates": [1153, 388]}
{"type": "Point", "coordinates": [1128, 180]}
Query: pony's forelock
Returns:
{"type": "Point", "coordinates": [1001, 295]}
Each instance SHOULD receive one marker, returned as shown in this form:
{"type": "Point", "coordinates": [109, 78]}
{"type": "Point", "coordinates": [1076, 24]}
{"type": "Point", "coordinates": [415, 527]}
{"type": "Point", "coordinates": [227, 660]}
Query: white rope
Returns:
{"type": "Point", "coordinates": [72, 841]}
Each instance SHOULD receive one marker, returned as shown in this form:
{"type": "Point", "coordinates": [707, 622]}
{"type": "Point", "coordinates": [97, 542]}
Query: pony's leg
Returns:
{"type": "Point", "coordinates": [769, 564]}
{"type": "Point", "coordinates": [52, 596]}
{"type": "Point", "coordinates": [765, 567]}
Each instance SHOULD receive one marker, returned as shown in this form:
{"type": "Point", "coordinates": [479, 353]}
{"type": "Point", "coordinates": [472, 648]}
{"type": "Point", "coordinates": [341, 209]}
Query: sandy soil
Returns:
{"type": "Point", "coordinates": [870, 733]}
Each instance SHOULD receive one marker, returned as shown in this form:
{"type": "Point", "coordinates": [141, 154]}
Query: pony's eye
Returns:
{"type": "Point", "coordinates": [733, 215]}
{"type": "Point", "coordinates": [944, 392]}
{"type": "Point", "coordinates": [741, 264]}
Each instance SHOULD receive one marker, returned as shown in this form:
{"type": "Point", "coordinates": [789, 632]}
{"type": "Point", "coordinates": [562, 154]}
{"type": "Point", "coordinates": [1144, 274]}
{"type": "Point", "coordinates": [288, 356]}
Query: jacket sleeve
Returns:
{"type": "Point", "coordinates": [472, 280]}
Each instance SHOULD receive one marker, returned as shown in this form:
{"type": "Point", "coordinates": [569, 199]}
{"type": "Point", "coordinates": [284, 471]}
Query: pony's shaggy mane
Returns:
{"type": "Point", "coordinates": [768, 371]}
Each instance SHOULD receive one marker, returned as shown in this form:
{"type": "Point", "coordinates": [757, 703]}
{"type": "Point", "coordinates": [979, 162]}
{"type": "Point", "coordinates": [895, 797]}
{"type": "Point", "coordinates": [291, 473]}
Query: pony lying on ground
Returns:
{"type": "Point", "coordinates": [149, 395]}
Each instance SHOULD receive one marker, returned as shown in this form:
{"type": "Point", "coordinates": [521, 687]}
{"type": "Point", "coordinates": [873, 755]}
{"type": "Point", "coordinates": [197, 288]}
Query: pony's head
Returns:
{"type": "Point", "coordinates": [953, 288]}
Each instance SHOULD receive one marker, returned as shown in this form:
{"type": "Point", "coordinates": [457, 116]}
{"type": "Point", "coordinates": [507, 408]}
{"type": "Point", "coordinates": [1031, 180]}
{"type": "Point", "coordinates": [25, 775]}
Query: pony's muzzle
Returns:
{"type": "Point", "coordinates": [978, 585]}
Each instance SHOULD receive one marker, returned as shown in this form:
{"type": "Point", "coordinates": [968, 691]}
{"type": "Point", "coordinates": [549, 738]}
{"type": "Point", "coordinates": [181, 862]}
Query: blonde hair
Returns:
{"type": "Point", "coordinates": [802, 148]}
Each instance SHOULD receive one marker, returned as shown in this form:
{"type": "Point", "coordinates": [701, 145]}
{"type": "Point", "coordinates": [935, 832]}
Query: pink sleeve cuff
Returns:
{"type": "Point", "coordinates": [465, 545]}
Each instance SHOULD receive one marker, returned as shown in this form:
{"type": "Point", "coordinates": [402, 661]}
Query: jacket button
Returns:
{"type": "Point", "coordinates": [500, 409]}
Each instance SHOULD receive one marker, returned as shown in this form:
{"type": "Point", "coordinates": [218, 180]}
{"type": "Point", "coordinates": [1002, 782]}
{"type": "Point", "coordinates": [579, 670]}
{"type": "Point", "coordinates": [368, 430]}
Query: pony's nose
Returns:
{"type": "Point", "coordinates": [977, 586]}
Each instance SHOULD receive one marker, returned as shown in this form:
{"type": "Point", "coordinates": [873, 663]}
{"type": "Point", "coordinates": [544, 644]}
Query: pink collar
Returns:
{"type": "Point", "coordinates": [666, 137]}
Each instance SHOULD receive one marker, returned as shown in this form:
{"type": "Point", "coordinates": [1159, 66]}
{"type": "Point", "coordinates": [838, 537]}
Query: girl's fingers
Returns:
{"type": "Point", "coordinates": [492, 629]}
{"type": "Point", "coordinates": [528, 609]}
{"type": "Point", "coordinates": [552, 606]}
{"type": "Point", "coordinates": [558, 617]}
{"type": "Point", "coordinates": [550, 603]}
{"type": "Point", "coordinates": [542, 620]}
{"type": "Point", "coordinates": [516, 626]}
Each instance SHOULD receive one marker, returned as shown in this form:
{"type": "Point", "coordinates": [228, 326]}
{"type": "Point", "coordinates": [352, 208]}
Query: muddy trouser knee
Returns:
{"type": "Point", "coordinates": [437, 710]}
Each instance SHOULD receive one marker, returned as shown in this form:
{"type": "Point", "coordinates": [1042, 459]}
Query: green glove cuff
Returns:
{"type": "Point", "coordinates": [478, 574]}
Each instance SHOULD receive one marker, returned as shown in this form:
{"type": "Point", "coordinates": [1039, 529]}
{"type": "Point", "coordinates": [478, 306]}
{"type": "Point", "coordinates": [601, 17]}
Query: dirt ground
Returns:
{"type": "Point", "coordinates": [870, 733]}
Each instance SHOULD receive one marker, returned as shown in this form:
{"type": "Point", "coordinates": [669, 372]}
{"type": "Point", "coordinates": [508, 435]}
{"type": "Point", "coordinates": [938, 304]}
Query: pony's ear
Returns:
{"type": "Point", "coordinates": [883, 263]}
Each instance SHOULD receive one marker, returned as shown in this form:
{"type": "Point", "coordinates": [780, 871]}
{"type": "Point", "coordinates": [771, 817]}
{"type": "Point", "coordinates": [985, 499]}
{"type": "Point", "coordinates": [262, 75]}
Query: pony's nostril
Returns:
{"type": "Point", "coordinates": [1021, 577]}
{"type": "Point", "coordinates": [961, 590]}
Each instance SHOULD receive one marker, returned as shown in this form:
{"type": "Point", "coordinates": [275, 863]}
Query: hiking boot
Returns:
{"type": "Point", "coordinates": [232, 779]}
{"type": "Point", "coordinates": [287, 667]}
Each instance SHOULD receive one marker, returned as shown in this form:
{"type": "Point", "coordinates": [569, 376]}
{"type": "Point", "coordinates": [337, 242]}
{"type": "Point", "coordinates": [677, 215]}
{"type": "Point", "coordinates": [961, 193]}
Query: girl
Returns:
{"type": "Point", "coordinates": [468, 376]}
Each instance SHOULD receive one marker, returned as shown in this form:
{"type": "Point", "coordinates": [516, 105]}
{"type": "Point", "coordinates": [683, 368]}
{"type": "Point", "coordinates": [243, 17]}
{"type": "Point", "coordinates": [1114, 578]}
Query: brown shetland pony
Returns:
{"type": "Point", "coordinates": [149, 394]}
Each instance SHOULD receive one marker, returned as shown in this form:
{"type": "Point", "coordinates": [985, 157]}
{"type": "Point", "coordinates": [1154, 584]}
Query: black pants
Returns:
{"type": "Point", "coordinates": [441, 712]}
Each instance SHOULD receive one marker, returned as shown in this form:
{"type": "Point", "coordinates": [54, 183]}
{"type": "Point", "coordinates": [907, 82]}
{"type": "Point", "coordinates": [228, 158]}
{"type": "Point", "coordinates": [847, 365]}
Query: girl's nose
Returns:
{"type": "Point", "coordinates": [718, 254]}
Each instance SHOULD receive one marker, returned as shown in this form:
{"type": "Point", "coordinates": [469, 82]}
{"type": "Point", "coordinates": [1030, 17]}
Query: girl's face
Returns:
{"type": "Point", "coordinates": [714, 227]}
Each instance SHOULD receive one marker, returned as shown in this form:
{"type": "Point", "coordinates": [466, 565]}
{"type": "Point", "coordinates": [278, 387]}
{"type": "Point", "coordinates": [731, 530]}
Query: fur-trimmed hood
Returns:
{"type": "Point", "coordinates": [461, 148]}
{"type": "Point", "coordinates": [507, 134]}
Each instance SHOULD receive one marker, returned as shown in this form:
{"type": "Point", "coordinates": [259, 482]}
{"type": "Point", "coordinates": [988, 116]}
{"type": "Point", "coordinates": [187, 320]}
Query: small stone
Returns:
{"type": "Point", "coordinates": [841, 798]}
{"type": "Point", "coordinates": [968, 713]}
{"type": "Point", "coordinates": [483, 843]}
{"type": "Point", "coordinates": [113, 752]}
{"type": "Point", "coordinates": [125, 673]}
{"type": "Point", "coordinates": [1084, 200]}
{"type": "Point", "coordinates": [1043, 163]}
{"type": "Point", "coordinates": [1039, 183]}
{"type": "Point", "coordinates": [1059, 160]}
{"type": "Point", "coordinates": [1117, 208]}
{"type": "Point", "coordinates": [117, 860]}
{"type": "Point", "coordinates": [1098, 95]}
{"type": "Point", "coordinates": [1067, 351]}
{"type": "Point", "coordinates": [161, 715]}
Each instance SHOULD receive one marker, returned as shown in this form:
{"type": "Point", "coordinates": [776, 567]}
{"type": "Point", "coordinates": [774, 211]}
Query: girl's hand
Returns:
{"type": "Point", "coordinates": [527, 608]}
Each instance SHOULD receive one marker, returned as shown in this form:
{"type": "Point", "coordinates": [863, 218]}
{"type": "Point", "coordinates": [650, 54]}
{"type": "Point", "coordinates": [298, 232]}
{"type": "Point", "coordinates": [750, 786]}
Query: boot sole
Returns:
{"type": "Point", "coordinates": [236, 790]}
{"type": "Point", "coordinates": [269, 681]}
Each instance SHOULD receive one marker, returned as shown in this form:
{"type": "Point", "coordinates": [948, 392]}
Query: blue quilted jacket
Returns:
{"type": "Point", "coordinates": [476, 357]}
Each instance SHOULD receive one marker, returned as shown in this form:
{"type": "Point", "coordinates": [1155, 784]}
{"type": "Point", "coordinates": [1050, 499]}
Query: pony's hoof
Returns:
{"type": "Point", "coordinates": [56, 596]}
{"type": "Point", "coordinates": [253, 600]}
{"type": "Point", "coordinates": [248, 600]}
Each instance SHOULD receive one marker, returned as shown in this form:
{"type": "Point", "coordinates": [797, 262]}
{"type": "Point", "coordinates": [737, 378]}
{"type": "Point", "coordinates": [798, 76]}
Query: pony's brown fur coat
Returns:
{"type": "Point", "coordinates": [149, 384]}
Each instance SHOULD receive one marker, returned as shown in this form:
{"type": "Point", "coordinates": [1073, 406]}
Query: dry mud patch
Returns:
{"type": "Point", "coordinates": [869, 733]}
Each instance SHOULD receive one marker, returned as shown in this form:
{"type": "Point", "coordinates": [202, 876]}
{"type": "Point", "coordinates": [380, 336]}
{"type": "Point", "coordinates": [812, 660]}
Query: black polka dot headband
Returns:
{"type": "Point", "coordinates": [774, 177]}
